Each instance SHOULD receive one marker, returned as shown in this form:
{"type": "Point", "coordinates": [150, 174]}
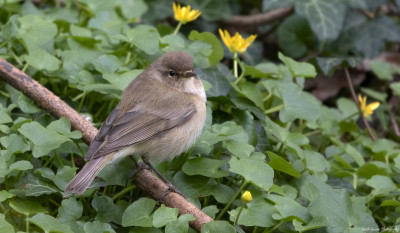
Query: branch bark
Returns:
{"type": "Point", "coordinates": [146, 180]}
{"type": "Point", "coordinates": [258, 19]}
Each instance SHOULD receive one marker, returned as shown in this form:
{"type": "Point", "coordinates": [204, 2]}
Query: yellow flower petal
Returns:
{"type": "Point", "coordinates": [246, 197]}
{"type": "Point", "coordinates": [236, 43]}
{"type": "Point", "coordinates": [184, 14]}
{"type": "Point", "coordinates": [367, 109]}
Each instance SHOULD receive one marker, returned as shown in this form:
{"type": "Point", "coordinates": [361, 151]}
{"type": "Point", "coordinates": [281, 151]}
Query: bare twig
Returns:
{"type": "Point", "coordinates": [58, 108]}
{"type": "Point", "coordinates": [394, 124]}
{"type": "Point", "coordinates": [258, 19]}
{"type": "Point", "coordinates": [353, 93]}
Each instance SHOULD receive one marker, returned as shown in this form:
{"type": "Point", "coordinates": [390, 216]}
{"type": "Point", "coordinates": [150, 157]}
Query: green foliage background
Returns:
{"type": "Point", "coordinates": [309, 166]}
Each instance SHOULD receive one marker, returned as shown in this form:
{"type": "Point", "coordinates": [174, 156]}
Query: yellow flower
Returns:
{"type": "Point", "coordinates": [236, 43]}
{"type": "Point", "coordinates": [367, 109]}
{"type": "Point", "coordinates": [184, 14]}
{"type": "Point", "coordinates": [246, 197]}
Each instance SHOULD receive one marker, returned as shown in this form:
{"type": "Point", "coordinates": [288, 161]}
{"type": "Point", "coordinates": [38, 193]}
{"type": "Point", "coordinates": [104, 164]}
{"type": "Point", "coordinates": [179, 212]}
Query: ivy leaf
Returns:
{"type": "Point", "coordinates": [328, 64]}
{"type": "Point", "coordinates": [257, 213]}
{"type": "Point", "coordinates": [4, 225]}
{"type": "Point", "coordinates": [70, 210]}
{"type": "Point", "coordinates": [298, 104]}
{"type": "Point", "coordinates": [280, 164]}
{"type": "Point", "coordinates": [36, 31]}
{"type": "Point", "coordinates": [164, 215]}
{"type": "Point", "coordinates": [44, 139]}
{"type": "Point", "coordinates": [382, 69]}
{"type": "Point", "coordinates": [26, 207]}
{"type": "Point", "coordinates": [371, 36]}
{"type": "Point", "coordinates": [49, 224]}
{"type": "Point", "coordinates": [4, 116]}
{"type": "Point", "coordinates": [139, 213]}
{"type": "Point", "coordinates": [217, 50]}
{"type": "Point", "coordinates": [205, 167]}
{"type": "Point", "coordinates": [298, 69]}
{"type": "Point", "coordinates": [259, 173]}
{"type": "Point", "coordinates": [144, 37]}
{"type": "Point", "coordinates": [96, 227]}
{"type": "Point", "coordinates": [42, 60]}
{"type": "Point", "coordinates": [35, 186]}
{"type": "Point", "coordinates": [324, 16]}
{"type": "Point", "coordinates": [218, 226]}
{"type": "Point", "coordinates": [121, 81]}
{"type": "Point", "coordinates": [293, 35]}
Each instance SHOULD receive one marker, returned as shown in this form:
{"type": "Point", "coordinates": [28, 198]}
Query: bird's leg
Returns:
{"type": "Point", "coordinates": [134, 172]}
{"type": "Point", "coordinates": [170, 186]}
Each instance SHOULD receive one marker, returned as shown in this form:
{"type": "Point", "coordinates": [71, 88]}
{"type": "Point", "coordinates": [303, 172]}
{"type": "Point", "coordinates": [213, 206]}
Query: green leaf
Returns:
{"type": "Point", "coordinates": [14, 143]}
{"type": "Point", "coordinates": [144, 37]}
{"type": "Point", "coordinates": [70, 210]}
{"type": "Point", "coordinates": [80, 31]}
{"type": "Point", "coordinates": [27, 105]}
{"type": "Point", "coordinates": [218, 226]}
{"type": "Point", "coordinates": [121, 81]}
{"type": "Point", "coordinates": [181, 225]}
{"type": "Point", "coordinates": [280, 164]}
{"type": "Point", "coordinates": [36, 32]}
{"type": "Point", "coordinates": [298, 104]}
{"type": "Point", "coordinates": [44, 139]}
{"type": "Point", "coordinates": [218, 76]}
{"type": "Point", "coordinates": [395, 203]}
{"type": "Point", "coordinates": [395, 86]}
{"type": "Point", "coordinates": [5, 227]}
{"type": "Point", "coordinates": [4, 116]}
{"type": "Point", "coordinates": [106, 63]}
{"type": "Point", "coordinates": [63, 126]}
{"type": "Point", "coordinates": [49, 224]}
{"type": "Point", "coordinates": [4, 195]}
{"type": "Point", "coordinates": [164, 215]}
{"type": "Point", "coordinates": [381, 185]}
{"type": "Point", "coordinates": [380, 96]}
{"type": "Point", "coordinates": [98, 227]}
{"type": "Point", "coordinates": [250, 91]}
{"type": "Point", "coordinates": [217, 51]}
{"type": "Point", "coordinates": [241, 149]}
{"type": "Point", "coordinates": [205, 167]}
{"type": "Point", "coordinates": [288, 209]}
{"type": "Point", "coordinates": [329, 64]}
{"type": "Point", "coordinates": [106, 210]}
{"type": "Point", "coordinates": [26, 207]}
{"type": "Point", "coordinates": [382, 70]}
{"type": "Point", "coordinates": [210, 210]}
{"type": "Point", "coordinates": [274, 4]}
{"type": "Point", "coordinates": [317, 222]}
{"type": "Point", "coordinates": [42, 60]}
{"type": "Point", "coordinates": [132, 10]}
{"type": "Point", "coordinates": [256, 213]}
{"type": "Point", "coordinates": [259, 173]}
{"type": "Point", "coordinates": [293, 35]}
{"type": "Point", "coordinates": [355, 154]}
{"type": "Point", "coordinates": [324, 16]}
{"type": "Point", "coordinates": [34, 186]}
{"type": "Point", "coordinates": [298, 69]}
{"type": "Point", "coordinates": [370, 36]}
{"type": "Point", "coordinates": [139, 213]}
{"type": "Point", "coordinates": [211, 10]}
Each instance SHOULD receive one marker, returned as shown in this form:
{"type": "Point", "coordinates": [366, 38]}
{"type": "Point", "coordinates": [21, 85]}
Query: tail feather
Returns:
{"type": "Point", "coordinates": [84, 178]}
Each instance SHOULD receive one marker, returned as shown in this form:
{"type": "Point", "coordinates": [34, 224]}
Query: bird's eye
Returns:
{"type": "Point", "coordinates": [171, 73]}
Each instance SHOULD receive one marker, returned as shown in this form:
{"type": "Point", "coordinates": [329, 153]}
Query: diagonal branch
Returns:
{"type": "Point", "coordinates": [58, 108]}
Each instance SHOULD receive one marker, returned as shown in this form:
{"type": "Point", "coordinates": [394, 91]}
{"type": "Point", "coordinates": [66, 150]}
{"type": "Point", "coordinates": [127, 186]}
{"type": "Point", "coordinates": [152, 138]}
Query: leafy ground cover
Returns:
{"type": "Point", "coordinates": [311, 162]}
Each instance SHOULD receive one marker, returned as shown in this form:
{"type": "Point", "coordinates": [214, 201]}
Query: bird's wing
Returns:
{"type": "Point", "coordinates": [138, 124]}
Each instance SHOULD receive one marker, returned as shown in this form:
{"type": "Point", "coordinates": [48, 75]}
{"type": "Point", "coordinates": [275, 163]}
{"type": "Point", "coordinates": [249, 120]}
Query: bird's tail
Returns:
{"type": "Point", "coordinates": [87, 174]}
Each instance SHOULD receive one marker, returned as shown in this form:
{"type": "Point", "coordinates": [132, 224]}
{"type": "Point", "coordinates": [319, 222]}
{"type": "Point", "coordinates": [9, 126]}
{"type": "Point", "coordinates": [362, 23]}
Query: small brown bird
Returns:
{"type": "Point", "coordinates": [160, 115]}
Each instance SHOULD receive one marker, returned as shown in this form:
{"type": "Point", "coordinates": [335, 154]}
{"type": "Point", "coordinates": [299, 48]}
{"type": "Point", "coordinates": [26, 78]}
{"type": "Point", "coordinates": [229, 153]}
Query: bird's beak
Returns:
{"type": "Point", "coordinates": [189, 74]}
